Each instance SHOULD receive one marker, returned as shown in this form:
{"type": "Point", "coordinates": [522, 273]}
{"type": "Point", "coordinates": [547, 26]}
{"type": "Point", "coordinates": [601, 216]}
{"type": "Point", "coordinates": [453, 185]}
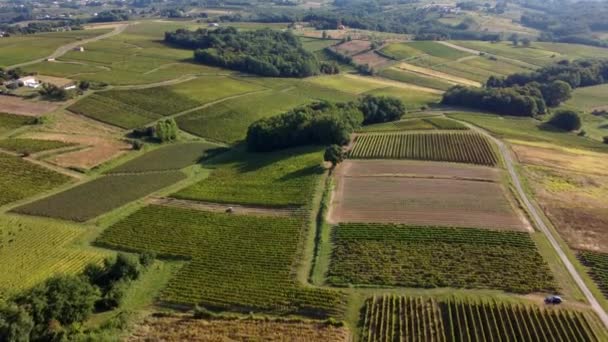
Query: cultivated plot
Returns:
{"type": "Point", "coordinates": [422, 194]}
{"type": "Point", "coordinates": [428, 257]}
{"type": "Point", "coordinates": [462, 147]}
{"type": "Point", "coordinates": [91, 199]}
{"type": "Point", "coordinates": [236, 262]}
{"type": "Point", "coordinates": [181, 328]}
{"type": "Point", "coordinates": [22, 179]}
{"type": "Point", "coordinates": [32, 249]}
{"type": "Point", "coordinates": [285, 178]}
{"type": "Point", "coordinates": [390, 317]}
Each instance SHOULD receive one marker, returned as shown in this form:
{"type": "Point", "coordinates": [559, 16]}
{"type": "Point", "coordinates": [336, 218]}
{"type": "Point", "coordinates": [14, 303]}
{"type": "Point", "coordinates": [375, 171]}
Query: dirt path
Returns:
{"type": "Point", "coordinates": [477, 52]}
{"type": "Point", "coordinates": [62, 50]}
{"type": "Point", "coordinates": [396, 84]}
{"type": "Point", "coordinates": [540, 224]}
{"type": "Point", "coordinates": [222, 208]}
{"type": "Point", "coordinates": [437, 74]}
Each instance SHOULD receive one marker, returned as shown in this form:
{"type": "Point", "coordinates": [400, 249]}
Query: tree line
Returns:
{"type": "Point", "coordinates": [263, 52]}
{"type": "Point", "coordinates": [530, 94]}
{"type": "Point", "coordinates": [321, 123]}
{"type": "Point", "coordinates": [56, 309]}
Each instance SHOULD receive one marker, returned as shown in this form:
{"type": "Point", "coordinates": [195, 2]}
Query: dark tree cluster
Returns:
{"type": "Point", "coordinates": [38, 27]}
{"type": "Point", "coordinates": [55, 309]}
{"type": "Point", "coordinates": [110, 16]}
{"type": "Point", "coordinates": [315, 124]}
{"type": "Point", "coordinates": [321, 123]}
{"type": "Point", "coordinates": [567, 120]}
{"type": "Point", "coordinates": [263, 52]}
{"type": "Point", "coordinates": [568, 22]}
{"type": "Point", "coordinates": [509, 101]}
{"type": "Point", "coordinates": [528, 94]}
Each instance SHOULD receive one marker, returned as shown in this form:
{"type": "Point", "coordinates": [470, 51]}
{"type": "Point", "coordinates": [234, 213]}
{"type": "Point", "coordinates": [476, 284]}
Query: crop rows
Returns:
{"type": "Point", "coordinates": [9, 122]}
{"type": "Point", "coordinates": [279, 179]}
{"type": "Point", "coordinates": [31, 145]}
{"type": "Point", "coordinates": [32, 250]}
{"type": "Point", "coordinates": [113, 112]}
{"type": "Point", "coordinates": [236, 261]}
{"type": "Point", "coordinates": [172, 157]}
{"type": "Point", "coordinates": [397, 318]}
{"type": "Point", "coordinates": [398, 255]}
{"type": "Point", "coordinates": [508, 322]}
{"type": "Point", "coordinates": [443, 123]}
{"type": "Point", "coordinates": [89, 200]}
{"type": "Point", "coordinates": [598, 268]}
{"type": "Point", "coordinates": [21, 179]}
{"type": "Point", "coordinates": [451, 147]}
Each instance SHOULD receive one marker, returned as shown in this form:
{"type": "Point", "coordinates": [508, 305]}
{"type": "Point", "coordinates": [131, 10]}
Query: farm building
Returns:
{"type": "Point", "coordinates": [214, 25]}
{"type": "Point", "coordinates": [29, 81]}
{"type": "Point", "coordinates": [79, 48]}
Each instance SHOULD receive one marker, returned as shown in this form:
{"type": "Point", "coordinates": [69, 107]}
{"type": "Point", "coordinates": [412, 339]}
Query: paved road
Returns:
{"type": "Point", "coordinates": [538, 221]}
{"type": "Point", "coordinates": [62, 50]}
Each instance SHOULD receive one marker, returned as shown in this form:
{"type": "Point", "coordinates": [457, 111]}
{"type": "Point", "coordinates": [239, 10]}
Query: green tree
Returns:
{"type": "Point", "coordinates": [334, 154]}
{"type": "Point", "coordinates": [166, 130]}
{"type": "Point", "coordinates": [15, 323]}
{"type": "Point", "coordinates": [526, 42]}
{"type": "Point", "coordinates": [377, 109]}
{"type": "Point", "coordinates": [567, 120]}
{"type": "Point", "coordinates": [556, 92]}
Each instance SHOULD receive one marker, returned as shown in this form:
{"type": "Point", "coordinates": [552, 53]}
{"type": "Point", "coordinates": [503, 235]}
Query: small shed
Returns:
{"type": "Point", "coordinates": [79, 48]}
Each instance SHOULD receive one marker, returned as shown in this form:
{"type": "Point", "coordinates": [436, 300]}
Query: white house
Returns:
{"type": "Point", "coordinates": [29, 81]}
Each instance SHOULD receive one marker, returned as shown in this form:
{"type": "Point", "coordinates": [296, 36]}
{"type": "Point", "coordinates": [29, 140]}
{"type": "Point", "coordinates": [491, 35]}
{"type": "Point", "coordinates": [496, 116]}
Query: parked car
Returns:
{"type": "Point", "coordinates": [553, 300]}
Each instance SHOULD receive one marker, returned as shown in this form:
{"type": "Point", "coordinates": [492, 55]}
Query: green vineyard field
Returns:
{"type": "Point", "coordinates": [237, 262]}
{"type": "Point", "coordinates": [172, 157]}
{"type": "Point", "coordinates": [9, 122]}
{"type": "Point", "coordinates": [31, 145]}
{"type": "Point", "coordinates": [99, 196]}
{"type": "Point", "coordinates": [30, 178]}
{"type": "Point", "coordinates": [460, 147]}
{"type": "Point", "coordinates": [428, 257]}
{"type": "Point", "coordinates": [598, 268]}
{"type": "Point", "coordinates": [280, 179]}
{"type": "Point", "coordinates": [397, 318]}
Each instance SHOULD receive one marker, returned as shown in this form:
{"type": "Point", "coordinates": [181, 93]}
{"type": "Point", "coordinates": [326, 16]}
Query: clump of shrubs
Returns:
{"type": "Point", "coordinates": [567, 120]}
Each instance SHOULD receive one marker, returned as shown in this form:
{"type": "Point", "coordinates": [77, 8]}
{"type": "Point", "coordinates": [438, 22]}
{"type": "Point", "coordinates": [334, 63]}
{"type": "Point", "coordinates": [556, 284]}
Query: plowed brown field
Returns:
{"type": "Point", "coordinates": [422, 193]}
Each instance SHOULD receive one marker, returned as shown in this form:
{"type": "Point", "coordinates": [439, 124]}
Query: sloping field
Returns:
{"type": "Point", "coordinates": [172, 157]}
{"type": "Point", "coordinates": [437, 74]}
{"type": "Point", "coordinates": [10, 122]}
{"type": "Point", "coordinates": [18, 49]}
{"type": "Point", "coordinates": [353, 47]}
{"type": "Point", "coordinates": [236, 262]}
{"type": "Point", "coordinates": [18, 105]}
{"type": "Point", "coordinates": [29, 146]}
{"type": "Point", "coordinates": [405, 76]}
{"type": "Point", "coordinates": [345, 84]}
{"type": "Point", "coordinates": [462, 147]}
{"type": "Point", "coordinates": [597, 264]}
{"type": "Point", "coordinates": [284, 178]}
{"type": "Point", "coordinates": [427, 257]}
{"type": "Point", "coordinates": [420, 194]}
{"type": "Point", "coordinates": [21, 179]}
{"type": "Point", "coordinates": [137, 107]}
{"type": "Point", "coordinates": [33, 249]}
{"type": "Point", "coordinates": [176, 328]}
{"type": "Point", "coordinates": [390, 317]}
{"type": "Point", "coordinates": [99, 196]}
{"type": "Point", "coordinates": [431, 123]}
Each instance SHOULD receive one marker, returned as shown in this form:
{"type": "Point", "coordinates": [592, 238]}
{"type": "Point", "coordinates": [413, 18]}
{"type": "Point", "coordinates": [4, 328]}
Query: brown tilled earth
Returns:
{"type": "Point", "coordinates": [187, 329]}
{"type": "Point", "coordinates": [17, 105]}
{"type": "Point", "coordinates": [353, 47]}
{"type": "Point", "coordinates": [422, 193]}
{"type": "Point", "coordinates": [372, 59]}
{"type": "Point", "coordinates": [100, 142]}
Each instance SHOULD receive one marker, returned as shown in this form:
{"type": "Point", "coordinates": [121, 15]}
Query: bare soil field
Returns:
{"type": "Point", "coordinates": [17, 105]}
{"type": "Point", "coordinates": [58, 81]}
{"type": "Point", "coordinates": [353, 47]}
{"type": "Point", "coordinates": [438, 74]}
{"type": "Point", "coordinates": [572, 191]}
{"type": "Point", "coordinates": [422, 195]}
{"type": "Point", "coordinates": [415, 169]}
{"type": "Point", "coordinates": [372, 59]}
{"type": "Point", "coordinates": [100, 142]}
{"type": "Point", "coordinates": [186, 329]}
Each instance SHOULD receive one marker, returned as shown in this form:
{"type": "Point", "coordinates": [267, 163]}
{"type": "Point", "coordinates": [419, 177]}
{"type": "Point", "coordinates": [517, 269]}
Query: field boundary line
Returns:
{"type": "Point", "coordinates": [391, 83]}
{"type": "Point", "coordinates": [46, 165]}
{"type": "Point", "coordinates": [237, 209]}
{"type": "Point", "coordinates": [413, 176]}
{"type": "Point", "coordinates": [540, 223]}
{"type": "Point", "coordinates": [62, 50]}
